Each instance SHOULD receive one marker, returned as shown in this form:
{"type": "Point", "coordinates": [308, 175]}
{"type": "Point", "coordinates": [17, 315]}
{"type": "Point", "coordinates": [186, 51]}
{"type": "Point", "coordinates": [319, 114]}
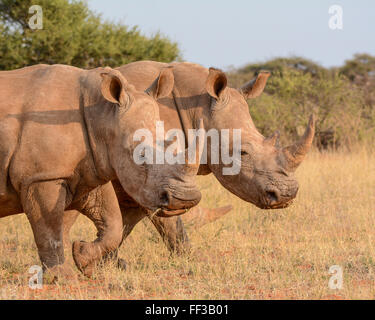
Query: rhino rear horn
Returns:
{"type": "Point", "coordinates": [255, 87]}
{"type": "Point", "coordinates": [295, 153]}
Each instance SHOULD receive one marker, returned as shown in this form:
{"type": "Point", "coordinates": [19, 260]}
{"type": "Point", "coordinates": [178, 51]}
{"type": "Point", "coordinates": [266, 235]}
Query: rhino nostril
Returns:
{"type": "Point", "coordinates": [164, 198]}
{"type": "Point", "coordinates": [272, 196]}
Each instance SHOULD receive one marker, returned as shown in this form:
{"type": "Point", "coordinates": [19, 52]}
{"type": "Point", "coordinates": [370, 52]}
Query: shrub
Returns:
{"type": "Point", "coordinates": [344, 117]}
{"type": "Point", "coordinates": [74, 35]}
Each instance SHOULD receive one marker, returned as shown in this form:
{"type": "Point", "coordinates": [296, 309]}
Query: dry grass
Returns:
{"type": "Point", "coordinates": [248, 254]}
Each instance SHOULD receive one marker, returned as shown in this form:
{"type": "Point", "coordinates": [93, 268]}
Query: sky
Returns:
{"type": "Point", "coordinates": [232, 33]}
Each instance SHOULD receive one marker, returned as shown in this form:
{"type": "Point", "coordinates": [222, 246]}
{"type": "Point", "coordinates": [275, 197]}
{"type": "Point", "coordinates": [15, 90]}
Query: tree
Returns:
{"type": "Point", "coordinates": [279, 64]}
{"type": "Point", "coordinates": [361, 71]}
{"type": "Point", "coordinates": [74, 35]}
{"type": "Point", "coordinates": [360, 68]}
{"type": "Point", "coordinates": [342, 98]}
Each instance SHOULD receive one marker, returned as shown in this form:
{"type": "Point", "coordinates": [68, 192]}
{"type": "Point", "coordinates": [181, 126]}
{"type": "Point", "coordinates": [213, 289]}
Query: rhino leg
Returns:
{"type": "Point", "coordinates": [130, 217]}
{"type": "Point", "coordinates": [44, 204]}
{"type": "Point", "coordinates": [171, 230]}
{"type": "Point", "coordinates": [8, 143]}
{"type": "Point", "coordinates": [70, 217]}
{"type": "Point", "coordinates": [101, 207]}
{"type": "Point", "coordinates": [4, 164]}
{"type": "Point", "coordinates": [173, 233]}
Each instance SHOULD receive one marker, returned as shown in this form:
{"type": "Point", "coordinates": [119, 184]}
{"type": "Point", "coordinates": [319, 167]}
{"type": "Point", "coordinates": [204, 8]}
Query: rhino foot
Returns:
{"type": "Point", "coordinates": [84, 254]}
{"type": "Point", "coordinates": [58, 273]}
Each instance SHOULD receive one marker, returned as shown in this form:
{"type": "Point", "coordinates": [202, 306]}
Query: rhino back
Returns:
{"type": "Point", "coordinates": [189, 77]}
{"type": "Point", "coordinates": [142, 73]}
{"type": "Point", "coordinates": [41, 127]}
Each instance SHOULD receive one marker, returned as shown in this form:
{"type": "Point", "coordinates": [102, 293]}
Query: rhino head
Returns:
{"type": "Point", "coordinates": [113, 120]}
{"type": "Point", "coordinates": [266, 176]}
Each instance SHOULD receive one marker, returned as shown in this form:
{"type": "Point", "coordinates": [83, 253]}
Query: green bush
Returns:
{"type": "Point", "coordinates": [344, 116]}
{"type": "Point", "coordinates": [74, 35]}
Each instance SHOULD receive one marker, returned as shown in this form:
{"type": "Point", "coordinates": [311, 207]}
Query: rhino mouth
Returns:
{"type": "Point", "coordinates": [165, 213]}
{"type": "Point", "coordinates": [179, 202]}
{"type": "Point", "coordinates": [275, 206]}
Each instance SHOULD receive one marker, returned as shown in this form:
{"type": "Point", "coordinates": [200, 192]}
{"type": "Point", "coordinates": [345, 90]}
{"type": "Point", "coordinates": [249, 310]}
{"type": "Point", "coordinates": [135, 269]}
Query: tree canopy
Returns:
{"type": "Point", "coordinates": [360, 67]}
{"type": "Point", "coordinates": [278, 65]}
{"type": "Point", "coordinates": [73, 34]}
{"type": "Point", "coordinates": [343, 98]}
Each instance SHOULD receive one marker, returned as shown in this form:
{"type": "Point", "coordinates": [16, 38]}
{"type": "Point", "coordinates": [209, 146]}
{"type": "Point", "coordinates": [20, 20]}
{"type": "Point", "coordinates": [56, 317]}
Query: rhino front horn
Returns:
{"type": "Point", "coordinates": [295, 153]}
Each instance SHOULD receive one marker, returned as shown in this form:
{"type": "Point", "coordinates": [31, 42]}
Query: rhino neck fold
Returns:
{"type": "Point", "coordinates": [96, 141]}
{"type": "Point", "coordinates": [184, 120]}
{"type": "Point", "coordinates": [189, 115]}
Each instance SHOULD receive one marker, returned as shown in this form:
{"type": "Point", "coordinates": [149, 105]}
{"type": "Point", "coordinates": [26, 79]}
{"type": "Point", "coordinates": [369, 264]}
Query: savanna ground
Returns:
{"type": "Point", "coordinates": [247, 254]}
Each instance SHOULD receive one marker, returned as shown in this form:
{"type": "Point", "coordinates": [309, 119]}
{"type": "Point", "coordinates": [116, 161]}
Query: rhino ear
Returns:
{"type": "Point", "coordinates": [163, 84]}
{"type": "Point", "coordinates": [113, 87]}
{"type": "Point", "coordinates": [255, 87]}
{"type": "Point", "coordinates": [216, 83]}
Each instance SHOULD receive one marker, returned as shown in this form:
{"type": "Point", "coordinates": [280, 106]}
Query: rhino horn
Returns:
{"type": "Point", "coordinates": [295, 153]}
{"type": "Point", "coordinates": [273, 140]}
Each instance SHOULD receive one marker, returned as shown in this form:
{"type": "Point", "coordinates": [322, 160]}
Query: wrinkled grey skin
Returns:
{"type": "Point", "coordinates": [65, 134]}
{"type": "Point", "coordinates": [266, 178]}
